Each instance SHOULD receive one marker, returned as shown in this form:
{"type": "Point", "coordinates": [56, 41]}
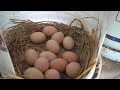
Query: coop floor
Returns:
{"type": "Point", "coordinates": [110, 69]}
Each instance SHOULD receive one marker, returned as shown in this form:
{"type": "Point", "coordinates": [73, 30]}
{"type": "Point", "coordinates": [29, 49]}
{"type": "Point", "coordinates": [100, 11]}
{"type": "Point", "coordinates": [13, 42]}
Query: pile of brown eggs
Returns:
{"type": "Point", "coordinates": [47, 65]}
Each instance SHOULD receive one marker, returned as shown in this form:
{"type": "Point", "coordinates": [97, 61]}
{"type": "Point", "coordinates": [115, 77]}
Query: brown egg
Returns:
{"type": "Point", "coordinates": [69, 56]}
{"type": "Point", "coordinates": [49, 30]}
{"type": "Point", "coordinates": [42, 64]}
{"type": "Point", "coordinates": [52, 46]}
{"type": "Point", "coordinates": [68, 43]}
{"type": "Point", "coordinates": [30, 56]}
{"type": "Point", "coordinates": [59, 36]}
{"type": "Point", "coordinates": [47, 54]}
{"type": "Point", "coordinates": [58, 64]}
{"type": "Point", "coordinates": [52, 74]}
{"type": "Point", "coordinates": [37, 37]}
{"type": "Point", "coordinates": [73, 69]}
{"type": "Point", "coordinates": [33, 73]}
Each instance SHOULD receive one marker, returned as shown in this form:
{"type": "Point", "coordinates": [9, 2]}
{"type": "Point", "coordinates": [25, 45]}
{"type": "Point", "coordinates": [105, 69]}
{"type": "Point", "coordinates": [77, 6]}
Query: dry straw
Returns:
{"type": "Point", "coordinates": [17, 40]}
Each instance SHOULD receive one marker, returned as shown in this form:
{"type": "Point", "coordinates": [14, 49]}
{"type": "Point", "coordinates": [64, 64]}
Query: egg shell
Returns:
{"type": "Point", "coordinates": [59, 36]}
{"type": "Point", "coordinates": [47, 54]}
{"type": "Point", "coordinates": [62, 50]}
{"type": "Point", "coordinates": [68, 43]}
{"type": "Point", "coordinates": [42, 64]}
{"type": "Point", "coordinates": [49, 30]}
{"type": "Point", "coordinates": [33, 73]}
{"type": "Point", "coordinates": [52, 46]}
{"type": "Point", "coordinates": [73, 69]}
{"type": "Point", "coordinates": [52, 74]}
{"type": "Point", "coordinates": [69, 56]}
{"type": "Point", "coordinates": [59, 64]}
{"type": "Point", "coordinates": [30, 56]}
{"type": "Point", "coordinates": [37, 37]}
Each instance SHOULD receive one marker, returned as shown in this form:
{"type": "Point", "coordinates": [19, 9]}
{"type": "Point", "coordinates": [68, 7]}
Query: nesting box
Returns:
{"type": "Point", "coordinates": [88, 17]}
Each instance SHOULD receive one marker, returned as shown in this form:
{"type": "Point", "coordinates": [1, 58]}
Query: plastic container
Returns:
{"type": "Point", "coordinates": [64, 17]}
{"type": "Point", "coordinates": [111, 46]}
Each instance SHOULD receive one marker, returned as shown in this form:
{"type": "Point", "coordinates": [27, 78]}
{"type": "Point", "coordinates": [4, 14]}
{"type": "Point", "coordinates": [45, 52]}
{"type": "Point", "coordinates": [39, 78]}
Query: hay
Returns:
{"type": "Point", "coordinates": [17, 40]}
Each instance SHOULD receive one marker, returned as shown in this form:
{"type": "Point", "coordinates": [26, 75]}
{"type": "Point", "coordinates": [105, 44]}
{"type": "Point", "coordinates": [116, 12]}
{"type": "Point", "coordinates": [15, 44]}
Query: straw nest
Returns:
{"type": "Point", "coordinates": [17, 40]}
